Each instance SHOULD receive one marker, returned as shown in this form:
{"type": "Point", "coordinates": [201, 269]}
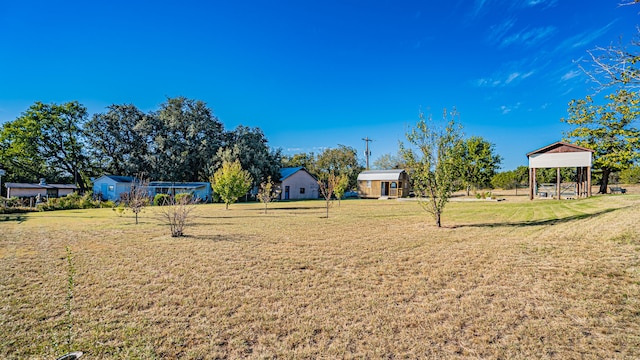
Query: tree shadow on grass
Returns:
{"type": "Point", "coordinates": [18, 218]}
{"type": "Point", "coordinates": [543, 222]}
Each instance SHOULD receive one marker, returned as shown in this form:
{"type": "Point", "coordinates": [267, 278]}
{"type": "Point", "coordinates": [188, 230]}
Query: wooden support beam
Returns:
{"type": "Point", "coordinates": [558, 183]}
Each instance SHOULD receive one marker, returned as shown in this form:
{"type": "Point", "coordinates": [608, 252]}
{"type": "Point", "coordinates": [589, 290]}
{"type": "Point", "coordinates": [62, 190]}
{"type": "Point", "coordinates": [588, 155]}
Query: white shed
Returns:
{"type": "Point", "coordinates": [560, 155]}
{"type": "Point", "coordinates": [296, 183]}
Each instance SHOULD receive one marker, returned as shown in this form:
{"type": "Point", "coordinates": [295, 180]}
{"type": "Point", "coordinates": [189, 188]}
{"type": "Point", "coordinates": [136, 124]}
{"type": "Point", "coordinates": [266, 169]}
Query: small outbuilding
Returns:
{"type": "Point", "coordinates": [296, 183]}
{"type": "Point", "coordinates": [561, 155]}
{"type": "Point", "coordinates": [110, 187]}
{"type": "Point", "coordinates": [44, 190]}
{"type": "Point", "coordinates": [383, 184]}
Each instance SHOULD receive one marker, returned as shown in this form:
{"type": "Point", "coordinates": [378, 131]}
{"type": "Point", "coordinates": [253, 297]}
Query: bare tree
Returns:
{"type": "Point", "coordinates": [138, 197]}
{"type": "Point", "coordinates": [327, 188]}
{"type": "Point", "coordinates": [267, 193]}
{"type": "Point", "coordinates": [177, 213]}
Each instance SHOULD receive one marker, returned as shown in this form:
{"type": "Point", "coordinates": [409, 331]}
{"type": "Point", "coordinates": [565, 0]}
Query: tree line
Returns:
{"type": "Point", "coordinates": [181, 141]}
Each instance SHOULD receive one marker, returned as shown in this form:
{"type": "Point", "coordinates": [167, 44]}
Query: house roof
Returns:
{"type": "Point", "coordinates": [286, 172]}
{"type": "Point", "coordinates": [120, 179]}
{"type": "Point", "coordinates": [393, 174]}
{"type": "Point", "coordinates": [12, 185]}
{"type": "Point", "coordinates": [560, 147]}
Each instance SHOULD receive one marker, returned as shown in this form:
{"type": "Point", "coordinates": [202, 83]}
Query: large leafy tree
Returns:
{"type": "Point", "coordinates": [306, 160]}
{"type": "Point", "coordinates": [389, 161]}
{"type": "Point", "coordinates": [342, 160]}
{"type": "Point", "coordinates": [479, 163]}
{"type": "Point", "coordinates": [231, 182]}
{"type": "Point", "coordinates": [186, 136]}
{"type": "Point", "coordinates": [250, 147]}
{"type": "Point", "coordinates": [119, 140]}
{"type": "Point", "coordinates": [47, 141]}
{"type": "Point", "coordinates": [609, 129]}
{"type": "Point", "coordinates": [432, 158]}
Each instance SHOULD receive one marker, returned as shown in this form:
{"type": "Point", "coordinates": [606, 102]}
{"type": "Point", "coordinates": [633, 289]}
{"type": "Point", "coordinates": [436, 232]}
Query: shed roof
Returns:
{"type": "Point", "coordinates": [385, 175]}
{"type": "Point", "coordinates": [120, 179]}
{"type": "Point", "coordinates": [12, 185]}
{"type": "Point", "coordinates": [560, 147]}
{"type": "Point", "coordinates": [286, 172]}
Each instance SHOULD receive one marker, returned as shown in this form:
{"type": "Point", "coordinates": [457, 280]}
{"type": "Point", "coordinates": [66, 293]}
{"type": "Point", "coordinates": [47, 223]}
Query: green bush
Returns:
{"type": "Point", "coordinates": [161, 199]}
{"type": "Point", "coordinates": [184, 198]}
{"type": "Point", "coordinates": [630, 175]}
{"type": "Point", "coordinates": [71, 201]}
{"type": "Point", "coordinates": [107, 204]}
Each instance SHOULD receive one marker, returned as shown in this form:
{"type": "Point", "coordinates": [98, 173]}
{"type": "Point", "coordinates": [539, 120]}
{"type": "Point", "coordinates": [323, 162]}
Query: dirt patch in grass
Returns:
{"type": "Point", "coordinates": [514, 279]}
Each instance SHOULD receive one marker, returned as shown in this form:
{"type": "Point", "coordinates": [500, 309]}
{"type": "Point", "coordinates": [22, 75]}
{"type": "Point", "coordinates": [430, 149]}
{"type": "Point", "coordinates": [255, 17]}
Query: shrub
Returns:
{"type": "Point", "coordinates": [161, 199]}
{"type": "Point", "coordinates": [184, 198]}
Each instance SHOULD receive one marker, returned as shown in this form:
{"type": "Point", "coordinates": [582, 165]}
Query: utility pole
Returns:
{"type": "Point", "coordinates": [367, 153]}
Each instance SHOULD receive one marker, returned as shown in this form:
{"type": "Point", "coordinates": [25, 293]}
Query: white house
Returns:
{"type": "Point", "coordinates": [296, 183]}
{"type": "Point", "coordinates": [42, 188]}
{"type": "Point", "coordinates": [110, 187]}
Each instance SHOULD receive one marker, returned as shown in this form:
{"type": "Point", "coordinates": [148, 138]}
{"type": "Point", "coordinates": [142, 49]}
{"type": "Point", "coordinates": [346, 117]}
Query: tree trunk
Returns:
{"type": "Point", "coordinates": [438, 219]}
{"type": "Point", "coordinates": [226, 206]}
{"type": "Point", "coordinates": [605, 181]}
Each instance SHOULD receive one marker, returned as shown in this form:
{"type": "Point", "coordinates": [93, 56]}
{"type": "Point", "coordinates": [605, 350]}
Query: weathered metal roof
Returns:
{"type": "Point", "coordinates": [286, 172]}
{"type": "Point", "coordinates": [560, 147]}
{"type": "Point", "coordinates": [13, 185]}
{"type": "Point", "coordinates": [385, 175]}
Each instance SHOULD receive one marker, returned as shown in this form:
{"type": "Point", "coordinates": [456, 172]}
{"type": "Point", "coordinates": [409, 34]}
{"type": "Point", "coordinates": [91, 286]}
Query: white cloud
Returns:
{"type": "Point", "coordinates": [528, 37]}
{"type": "Point", "coordinates": [570, 75]}
{"type": "Point", "coordinates": [508, 108]}
{"type": "Point", "coordinates": [502, 79]}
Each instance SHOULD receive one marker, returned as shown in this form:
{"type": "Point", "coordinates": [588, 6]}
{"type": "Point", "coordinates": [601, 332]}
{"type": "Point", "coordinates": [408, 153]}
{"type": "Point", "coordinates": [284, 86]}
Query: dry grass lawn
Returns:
{"type": "Point", "coordinates": [511, 279]}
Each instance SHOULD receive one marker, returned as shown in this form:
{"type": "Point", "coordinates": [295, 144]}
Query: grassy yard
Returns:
{"type": "Point", "coordinates": [510, 279]}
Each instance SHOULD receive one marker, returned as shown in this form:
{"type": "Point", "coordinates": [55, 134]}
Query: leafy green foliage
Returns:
{"type": "Point", "coordinates": [630, 175]}
{"type": "Point", "coordinates": [479, 163]}
{"type": "Point", "coordinates": [433, 162]}
{"type": "Point", "coordinates": [389, 161]}
{"type": "Point", "coordinates": [512, 178]}
{"type": "Point", "coordinates": [267, 193]}
{"type": "Point", "coordinates": [342, 160]}
{"type": "Point", "coordinates": [119, 140]}
{"type": "Point", "coordinates": [46, 141]}
{"type": "Point", "coordinates": [250, 147]}
{"type": "Point", "coordinates": [71, 201]}
{"type": "Point", "coordinates": [230, 182]}
{"type": "Point", "coordinates": [161, 199]}
{"type": "Point", "coordinates": [608, 129]}
{"type": "Point", "coordinates": [186, 136]}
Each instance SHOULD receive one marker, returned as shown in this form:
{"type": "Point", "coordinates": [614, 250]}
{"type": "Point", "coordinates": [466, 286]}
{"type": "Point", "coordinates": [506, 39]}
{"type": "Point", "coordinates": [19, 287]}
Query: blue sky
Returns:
{"type": "Point", "coordinates": [315, 74]}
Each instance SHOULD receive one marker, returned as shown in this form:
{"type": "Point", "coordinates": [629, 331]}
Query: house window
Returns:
{"type": "Point", "coordinates": [394, 185]}
{"type": "Point", "coordinates": [369, 184]}
{"type": "Point", "coordinates": [301, 190]}
{"type": "Point", "coordinates": [110, 187]}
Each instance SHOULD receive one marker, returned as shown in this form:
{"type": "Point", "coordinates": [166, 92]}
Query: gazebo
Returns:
{"type": "Point", "coordinates": [561, 155]}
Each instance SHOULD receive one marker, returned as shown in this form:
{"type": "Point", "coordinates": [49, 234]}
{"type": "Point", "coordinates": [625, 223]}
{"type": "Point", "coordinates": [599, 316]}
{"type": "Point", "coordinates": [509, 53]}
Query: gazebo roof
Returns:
{"type": "Point", "coordinates": [560, 147]}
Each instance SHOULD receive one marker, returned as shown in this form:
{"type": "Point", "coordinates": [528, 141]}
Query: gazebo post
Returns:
{"type": "Point", "coordinates": [579, 182]}
{"type": "Point", "coordinates": [558, 183]}
{"type": "Point", "coordinates": [532, 181]}
{"type": "Point", "coordinates": [588, 181]}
